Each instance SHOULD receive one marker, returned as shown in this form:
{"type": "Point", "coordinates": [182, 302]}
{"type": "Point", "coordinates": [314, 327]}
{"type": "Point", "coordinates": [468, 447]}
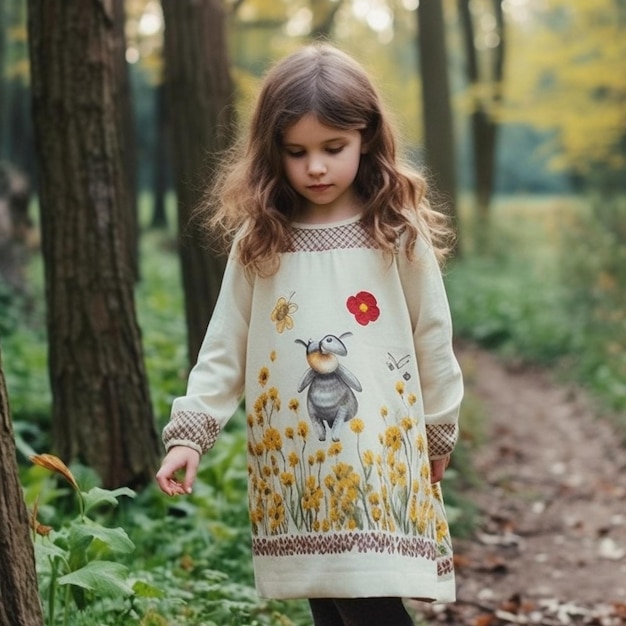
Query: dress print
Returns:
{"type": "Point", "coordinates": [343, 414]}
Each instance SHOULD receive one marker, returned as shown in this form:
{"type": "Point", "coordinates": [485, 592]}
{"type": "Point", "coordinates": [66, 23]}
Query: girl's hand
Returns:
{"type": "Point", "coordinates": [438, 468]}
{"type": "Point", "coordinates": [178, 458]}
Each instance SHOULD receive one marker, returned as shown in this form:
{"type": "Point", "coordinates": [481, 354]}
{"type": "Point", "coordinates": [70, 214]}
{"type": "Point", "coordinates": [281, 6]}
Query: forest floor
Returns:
{"type": "Point", "coordinates": [549, 546]}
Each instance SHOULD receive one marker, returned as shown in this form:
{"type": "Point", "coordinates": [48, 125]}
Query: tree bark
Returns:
{"type": "Point", "coordinates": [200, 98]}
{"type": "Point", "coordinates": [19, 596]}
{"type": "Point", "coordinates": [484, 127]}
{"type": "Point", "coordinates": [128, 133]}
{"type": "Point", "coordinates": [102, 413]}
{"type": "Point", "coordinates": [437, 110]}
{"type": "Point", "coordinates": [160, 164]}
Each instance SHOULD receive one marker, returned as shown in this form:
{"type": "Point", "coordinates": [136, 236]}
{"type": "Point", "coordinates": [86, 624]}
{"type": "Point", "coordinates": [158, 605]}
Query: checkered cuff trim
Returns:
{"type": "Point", "coordinates": [197, 430]}
{"type": "Point", "coordinates": [441, 439]}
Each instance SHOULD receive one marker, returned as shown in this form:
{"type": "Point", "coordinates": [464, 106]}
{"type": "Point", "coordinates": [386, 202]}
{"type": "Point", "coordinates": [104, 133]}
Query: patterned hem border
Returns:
{"type": "Point", "coordinates": [336, 543]}
{"type": "Point", "coordinates": [445, 566]}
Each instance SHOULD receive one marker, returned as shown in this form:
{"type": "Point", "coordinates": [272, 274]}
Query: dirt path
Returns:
{"type": "Point", "coordinates": [550, 547]}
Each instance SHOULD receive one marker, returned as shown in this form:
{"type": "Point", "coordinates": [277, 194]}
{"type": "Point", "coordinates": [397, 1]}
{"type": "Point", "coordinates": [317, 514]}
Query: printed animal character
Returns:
{"type": "Point", "coordinates": [330, 399]}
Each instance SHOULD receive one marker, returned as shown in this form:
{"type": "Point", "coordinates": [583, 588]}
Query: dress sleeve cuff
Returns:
{"type": "Point", "coordinates": [194, 430]}
{"type": "Point", "coordinates": [441, 439]}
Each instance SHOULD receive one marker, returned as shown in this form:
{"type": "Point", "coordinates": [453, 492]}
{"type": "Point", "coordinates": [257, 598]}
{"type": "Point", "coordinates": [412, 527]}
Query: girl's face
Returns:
{"type": "Point", "coordinates": [321, 163]}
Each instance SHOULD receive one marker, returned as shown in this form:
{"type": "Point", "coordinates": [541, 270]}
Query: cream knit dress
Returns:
{"type": "Point", "coordinates": [351, 387]}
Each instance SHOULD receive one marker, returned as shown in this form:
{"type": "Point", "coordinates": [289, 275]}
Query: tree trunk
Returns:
{"type": "Point", "coordinates": [3, 55]}
{"type": "Point", "coordinates": [102, 413]}
{"type": "Point", "coordinates": [483, 124]}
{"type": "Point", "coordinates": [201, 113]}
{"type": "Point", "coordinates": [19, 596]}
{"type": "Point", "coordinates": [437, 110]}
{"type": "Point", "coordinates": [324, 13]}
{"type": "Point", "coordinates": [160, 164]}
{"type": "Point", "coordinates": [128, 134]}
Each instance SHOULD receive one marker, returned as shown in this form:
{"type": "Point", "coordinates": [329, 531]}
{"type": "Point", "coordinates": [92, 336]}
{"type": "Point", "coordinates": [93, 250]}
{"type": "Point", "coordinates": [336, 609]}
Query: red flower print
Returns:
{"type": "Point", "coordinates": [364, 307]}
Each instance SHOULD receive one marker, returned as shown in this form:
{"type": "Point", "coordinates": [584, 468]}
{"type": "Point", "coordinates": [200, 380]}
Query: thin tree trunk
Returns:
{"type": "Point", "coordinates": [324, 13]}
{"type": "Point", "coordinates": [159, 161]}
{"type": "Point", "coordinates": [437, 110]}
{"type": "Point", "coordinates": [200, 99]}
{"type": "Point", "coordinates": [128, 134]}
{"type": "Point", "coordinates": [19, 597]}
{"type": "Point", "coordinates": [102, 413]}
{"type": "Point", "coordinates": [483, 123]}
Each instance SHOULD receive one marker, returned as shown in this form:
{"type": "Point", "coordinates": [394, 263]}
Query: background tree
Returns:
{"type": "Point", "coordinates": [568, 60]}
{"type": "Point", "coordinates": [201, 113]}
{"type": "Point", "coordinates": [437, 110]}
{"type": "Point", "coordinates": [101, 411]}
{"type": "Point", "coordinates": [323, 17]}
{"type": "Point", "coordinates": [484, 75]}
{"type": "Point", "coordinates": [19, 596]}
{"type": "Point", "coordinates": [127, 135]}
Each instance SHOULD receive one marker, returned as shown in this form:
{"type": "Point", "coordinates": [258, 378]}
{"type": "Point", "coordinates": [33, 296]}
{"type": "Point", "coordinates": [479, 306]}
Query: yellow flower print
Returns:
{"type": "Point", "coordinates": [281, 314]}
{"type": "Point", "coordinates": [264, 375]}
{"type": "Point", "coordinates": [393, 438]}
{"type": "Point", "coordinates": [320, 456]}
{"type": "Point", "coordinates": [293, 459]}
{"type": "Point", "coordinates": [407, 423]}
{"type": "Point", "coordinates": [287, 479]}
{"type": "Point", "coordinates": [303, 429]}
{"type": "Point", "coordinates": [256, 515]}
{"type": "Point", "coordinates": [356, 425]}
{"type": "Point", "coordinates": [368, 458]}
{"type": "Point", "coordinates": [272, 439]}
{"type": "Point", "coordinates": [294, 404]}
{"type": "Point", "coordinates": [276, 512]}
{"type": "Point", "coordinates": [289, 432]}
{"type": "Point", "coordinates": [335, 448]}
{"type": "Point", "coordinates": [411, 399]}
{"type": "Point", "coordinates": [273, 356]}
{"type": "Point", "coordinates": [384, 411]}
{"type": "Point", "coordinates": [400, 387]}
{"type": "Point", "coordinates": [442, 530]}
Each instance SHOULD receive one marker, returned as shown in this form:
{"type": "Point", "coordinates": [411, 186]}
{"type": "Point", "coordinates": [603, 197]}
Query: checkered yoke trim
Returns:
{"type": "Point", "coordinates": [441, 439]}
{"type": "Point", "coordinates": [198, 430]}
{"type": "Point", "coordinates": [340, 237]}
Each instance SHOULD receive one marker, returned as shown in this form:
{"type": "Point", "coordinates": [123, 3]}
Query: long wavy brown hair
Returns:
{"type": "Point", "coordinates": [251, 197]}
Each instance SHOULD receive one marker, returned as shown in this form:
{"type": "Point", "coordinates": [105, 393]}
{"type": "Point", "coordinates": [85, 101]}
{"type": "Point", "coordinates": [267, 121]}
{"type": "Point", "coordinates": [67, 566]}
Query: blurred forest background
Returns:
{"type": "Point", "coordinates": [112, 114]}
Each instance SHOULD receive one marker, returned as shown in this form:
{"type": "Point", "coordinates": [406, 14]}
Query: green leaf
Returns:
{"type": "Point", "coordinates": [145, 590]}
{"type": "Point", "coordinates": [115, 539]}
{"type": "Point", "coordinates": [97, 496]}
{"type": "Point", "coordinates": [48, 550]}
{"type": "Point", "coordinates": [102, 577]}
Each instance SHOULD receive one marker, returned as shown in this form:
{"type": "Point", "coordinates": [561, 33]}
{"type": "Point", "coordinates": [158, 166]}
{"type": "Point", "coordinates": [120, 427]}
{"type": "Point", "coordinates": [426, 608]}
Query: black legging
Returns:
{"type": "Point", "coordinates": [359, 612]}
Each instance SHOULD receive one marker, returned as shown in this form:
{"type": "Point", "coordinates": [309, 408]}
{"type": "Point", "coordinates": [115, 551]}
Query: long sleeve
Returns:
{"type": "Point", "coordinates": [440, 375]}
{"type": "Point", "coordinates": [216, 382]}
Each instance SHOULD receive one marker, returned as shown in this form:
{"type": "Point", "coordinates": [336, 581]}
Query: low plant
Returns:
{"type": "Point", "coordinates": [73, 561]}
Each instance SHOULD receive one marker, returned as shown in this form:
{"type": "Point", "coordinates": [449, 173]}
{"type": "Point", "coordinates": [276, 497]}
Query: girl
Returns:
{"type": "Point", "coordinates": [333, 320]}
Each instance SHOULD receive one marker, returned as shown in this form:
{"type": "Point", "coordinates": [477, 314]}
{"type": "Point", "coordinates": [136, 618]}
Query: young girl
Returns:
{"type": "Point", "coordinates": [333, 320]}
